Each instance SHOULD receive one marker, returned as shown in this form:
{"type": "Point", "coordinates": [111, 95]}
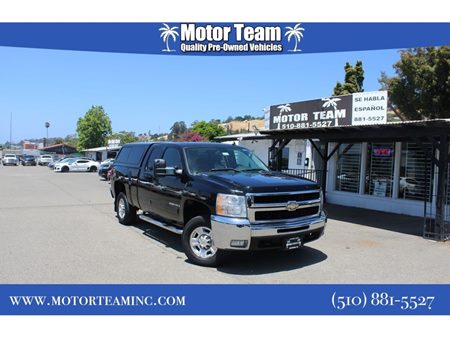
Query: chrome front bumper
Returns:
{"type": "Point", "coordinates": [226, 230]}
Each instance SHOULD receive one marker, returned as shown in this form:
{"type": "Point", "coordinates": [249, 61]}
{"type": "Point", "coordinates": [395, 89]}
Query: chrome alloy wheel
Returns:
{"type": "Point", "coordinates": [201, 243]}
{"type": "Point", "coordinates": [122, 209]}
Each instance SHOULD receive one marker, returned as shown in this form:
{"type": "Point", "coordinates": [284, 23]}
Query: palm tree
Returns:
{"type": "Point", "coordinates": [284, 108]}
{"type": "Point", "coordinates": [168, 32]}
{"type": "Point", "coordinates": [332, 102]}
{"type": "Point", "coordinates": [295, 32]}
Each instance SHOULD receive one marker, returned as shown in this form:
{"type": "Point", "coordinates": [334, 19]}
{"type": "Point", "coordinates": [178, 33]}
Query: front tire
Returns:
{"type": "Point", "coordinates": [197, 242]}
{"type": "Point", "coordinates": [64, 169]}
{"type": "Point", "coordinates": [125, 212]}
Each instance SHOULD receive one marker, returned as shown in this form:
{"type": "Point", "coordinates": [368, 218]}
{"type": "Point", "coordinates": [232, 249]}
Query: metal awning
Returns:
{"type": "Point", "coordinates": [435, 131]}
{"type": "Point", "coordinates": [394, 131]}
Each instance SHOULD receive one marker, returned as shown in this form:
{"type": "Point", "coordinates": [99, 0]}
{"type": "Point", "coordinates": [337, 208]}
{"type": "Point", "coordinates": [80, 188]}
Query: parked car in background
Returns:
{"type": "Point", "coordinates": [105, 167]}
{"type": "Point", "coordinates": [45, 159]}
{"type": "Point", "coordinates": [76, 164]}
{"type": "Point", "coordinates": [28, 160]}
{"type": "Point", "coordinates": [411, 186]}
{"type": "Point", "coordinates": [10, 159]}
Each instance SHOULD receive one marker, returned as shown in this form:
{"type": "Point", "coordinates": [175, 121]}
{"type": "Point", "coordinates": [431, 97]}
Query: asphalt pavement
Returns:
{"type": "Point", "coordinates": [61, 228]}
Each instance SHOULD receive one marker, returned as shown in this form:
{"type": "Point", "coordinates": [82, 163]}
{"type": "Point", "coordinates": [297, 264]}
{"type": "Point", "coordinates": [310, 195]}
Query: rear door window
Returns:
{"type": "Point", "coordinates": [136, 154]}
{"type": "Point", "coordinates": [123, 155]}
{"type": "Point", "coordinates": [156, 151]}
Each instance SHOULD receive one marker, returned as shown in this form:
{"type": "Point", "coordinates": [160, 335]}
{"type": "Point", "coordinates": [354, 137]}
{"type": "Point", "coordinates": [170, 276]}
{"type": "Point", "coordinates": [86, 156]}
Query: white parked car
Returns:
{"type": "Point", "coordinates": [411, 186]}
{"type": "Point", "coordinates": [76, 164]}
{"type": "Point", "coordinates": [45, 159]}
{"type": "Point", "coordinates": [10, 159]}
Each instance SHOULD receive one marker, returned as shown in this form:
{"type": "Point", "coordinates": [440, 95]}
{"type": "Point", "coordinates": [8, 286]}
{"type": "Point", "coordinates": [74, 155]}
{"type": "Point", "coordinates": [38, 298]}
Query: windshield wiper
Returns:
{"type": "Point", "coordinates": [254, 169]}
{"type": "Point", "coordinates": [225, 169]}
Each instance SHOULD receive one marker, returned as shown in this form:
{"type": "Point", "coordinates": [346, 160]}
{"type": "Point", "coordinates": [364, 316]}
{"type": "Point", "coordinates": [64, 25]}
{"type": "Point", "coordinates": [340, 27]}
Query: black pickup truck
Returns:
{"type": "Point", "coordinates": [216, 196]}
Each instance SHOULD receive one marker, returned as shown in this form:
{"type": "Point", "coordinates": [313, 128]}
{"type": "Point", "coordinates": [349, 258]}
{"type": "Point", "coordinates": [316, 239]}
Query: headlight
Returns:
{"type": "Point", "coordinates": [231, 205]}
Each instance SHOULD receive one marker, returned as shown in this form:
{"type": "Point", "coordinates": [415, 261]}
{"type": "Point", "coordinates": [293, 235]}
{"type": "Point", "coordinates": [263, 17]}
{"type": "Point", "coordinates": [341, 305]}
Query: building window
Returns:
{"type": "Point", "coordinates": [348, 165]}
{"type": "Point", "coordinates": [380, 169]}
{"type": "Point", "coordinates": [285, 159]}
{"type": "Point", "coordinates": [415, 172]}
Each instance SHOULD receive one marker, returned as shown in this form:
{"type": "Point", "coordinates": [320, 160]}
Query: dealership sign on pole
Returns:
{"type": "Point", "coordinates": [354, 109]}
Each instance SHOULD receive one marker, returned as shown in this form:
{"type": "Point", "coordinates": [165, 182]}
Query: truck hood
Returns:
{"type": "Point", "coordinates": [261, 181]}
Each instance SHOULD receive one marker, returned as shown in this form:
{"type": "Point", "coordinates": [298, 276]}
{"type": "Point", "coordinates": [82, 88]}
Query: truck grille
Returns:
{"type": "Point", "coordinates": [286, 198]}
{"type": "Point", "coordinates": [284, 214]}
{"type": "Point", "coordinates": [277, 207]}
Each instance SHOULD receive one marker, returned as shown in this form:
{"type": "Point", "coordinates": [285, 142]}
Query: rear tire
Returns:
{"type": "Point", "coordinates": [93, 169]}
{"type": "Point", "coordinates": [198, 244]}
{"type": "Point", "coordinates": [125, 212]}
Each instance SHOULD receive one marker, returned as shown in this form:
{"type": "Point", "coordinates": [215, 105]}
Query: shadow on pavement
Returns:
{"type": "Point", "coordinates": [162, 236]}
{"type": "Point", "coordinates": [243, 263]}
{"type": "Point", "coordinates": [377, 219]}
{"type": "Point", "coordinates": [264, 262]}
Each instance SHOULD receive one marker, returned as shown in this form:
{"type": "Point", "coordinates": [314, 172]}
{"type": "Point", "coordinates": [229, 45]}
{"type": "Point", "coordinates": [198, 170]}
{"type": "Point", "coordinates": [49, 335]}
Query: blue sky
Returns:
{"type": "Point", "coordinates": [147, 92]}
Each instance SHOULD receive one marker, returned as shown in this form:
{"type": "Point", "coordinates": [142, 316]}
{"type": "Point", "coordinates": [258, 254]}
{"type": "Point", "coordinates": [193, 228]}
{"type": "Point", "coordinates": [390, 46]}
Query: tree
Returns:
{"type": "Point", "coordinates": [208, 130]}
{"type": "Point", "coordinates": [177, 129]}
{"type": "Point", "coordinates": [58, 140]}
{"type": "Point", "coordinates": [229, 119]}
{"type": "Point", "coordinates": [190, 136]}
{"type": "Point", "coordinates": [93, 128]}
{"type": "Point", "coordinates": [71, 140]}
{"type": "Point", "coordinates": [124, 136]}
{"type": "Point", "coordinates": [354, 79]}
{"type": "Point", "coordinates": [421, 89]}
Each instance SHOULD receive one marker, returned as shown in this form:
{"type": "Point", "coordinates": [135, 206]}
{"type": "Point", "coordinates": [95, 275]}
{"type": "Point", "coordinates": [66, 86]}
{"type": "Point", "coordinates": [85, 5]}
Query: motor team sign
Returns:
{"type": "Point", "coordinates": [355, 109]}
{"type": "Point", "coordinates": [192, 38]}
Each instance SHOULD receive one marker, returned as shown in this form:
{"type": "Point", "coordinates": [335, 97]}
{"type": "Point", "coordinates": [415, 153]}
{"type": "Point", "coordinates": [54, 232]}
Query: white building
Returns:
{"type": "Point", "coordinates": [101, 153]}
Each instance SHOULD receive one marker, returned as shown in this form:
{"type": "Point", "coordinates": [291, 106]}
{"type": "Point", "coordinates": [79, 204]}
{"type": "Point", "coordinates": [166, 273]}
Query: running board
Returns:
{"type": "Point", "coordinates": [170, 228]}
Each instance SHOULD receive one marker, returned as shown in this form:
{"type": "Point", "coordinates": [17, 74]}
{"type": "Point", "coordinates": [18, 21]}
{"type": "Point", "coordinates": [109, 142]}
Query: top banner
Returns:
{"type": "Point", "coordinates": [222, 39]}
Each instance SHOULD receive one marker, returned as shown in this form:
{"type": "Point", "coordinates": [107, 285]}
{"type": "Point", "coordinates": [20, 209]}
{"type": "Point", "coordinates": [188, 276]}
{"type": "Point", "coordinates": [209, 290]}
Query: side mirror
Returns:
{"type": "Point", "coordinates": [162, 170]}
{"type": "Point", "coordinates": [160, 167]}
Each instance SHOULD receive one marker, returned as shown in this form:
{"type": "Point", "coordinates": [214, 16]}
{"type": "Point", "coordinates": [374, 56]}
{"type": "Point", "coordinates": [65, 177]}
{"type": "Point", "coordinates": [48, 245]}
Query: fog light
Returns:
{"type": "Point", "coordinates": [238, 243]}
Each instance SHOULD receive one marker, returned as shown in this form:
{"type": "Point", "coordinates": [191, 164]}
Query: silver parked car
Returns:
{"type": "Point", "coordinates": [45, 159]}
{"type": "Point", "coordinates": [10, 159]}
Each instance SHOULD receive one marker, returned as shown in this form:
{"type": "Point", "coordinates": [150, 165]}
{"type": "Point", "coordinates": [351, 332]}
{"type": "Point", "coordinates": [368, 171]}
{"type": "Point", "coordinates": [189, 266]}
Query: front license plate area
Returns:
{"type": "Point", "coordinates": [293, 243]}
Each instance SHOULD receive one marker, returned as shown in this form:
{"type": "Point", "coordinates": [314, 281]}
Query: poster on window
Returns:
{"type": "Point", "coordinates": [380, 187]}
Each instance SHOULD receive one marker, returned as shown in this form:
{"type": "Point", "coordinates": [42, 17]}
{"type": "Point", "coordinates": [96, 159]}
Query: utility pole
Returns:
{"type": "Point", "coordinates": [10, 131]}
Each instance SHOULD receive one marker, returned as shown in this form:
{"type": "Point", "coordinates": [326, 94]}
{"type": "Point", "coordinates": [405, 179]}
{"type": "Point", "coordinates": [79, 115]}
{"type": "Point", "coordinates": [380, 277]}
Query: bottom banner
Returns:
{"type": "Point", "coordinates": [215, 299]}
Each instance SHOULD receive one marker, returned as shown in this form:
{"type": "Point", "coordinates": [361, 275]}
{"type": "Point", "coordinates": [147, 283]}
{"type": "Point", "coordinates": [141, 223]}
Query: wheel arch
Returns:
{"type": "Point", "coordinates": [118, 188]}
{"type": "Point", "coordinates": [192, 208]}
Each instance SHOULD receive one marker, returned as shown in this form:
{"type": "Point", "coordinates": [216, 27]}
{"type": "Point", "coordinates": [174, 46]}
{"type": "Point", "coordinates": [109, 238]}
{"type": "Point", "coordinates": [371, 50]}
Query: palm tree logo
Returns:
{"type": "Point", "coordinates": [332, 102]}
{"type": "Point", "coordinates": [284, 108]}
{"type": "Point", "coordinates": [296, 33]}
{"type": "Point", "coordinates": [166, 33]}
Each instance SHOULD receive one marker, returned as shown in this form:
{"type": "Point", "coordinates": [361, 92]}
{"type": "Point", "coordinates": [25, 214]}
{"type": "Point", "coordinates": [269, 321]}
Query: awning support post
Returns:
{"type": "Point", "coordinates": [441, 187]}
{"type": "Point", "coordinates": [276, 153]}
{"type": "Point", "coordinates": [325, 158]}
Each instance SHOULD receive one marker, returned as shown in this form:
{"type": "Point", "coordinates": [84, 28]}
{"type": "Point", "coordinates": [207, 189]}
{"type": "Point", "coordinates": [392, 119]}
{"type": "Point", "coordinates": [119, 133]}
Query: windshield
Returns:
{"type": "Point", "coordinates": [208, 159]}
{"type": "Point", "coordinates": [9, 155]}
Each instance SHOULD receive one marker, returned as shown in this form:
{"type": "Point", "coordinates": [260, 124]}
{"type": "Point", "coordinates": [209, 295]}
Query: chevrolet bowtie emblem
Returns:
{"type": "Point", "coordinates": [292, 206]}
